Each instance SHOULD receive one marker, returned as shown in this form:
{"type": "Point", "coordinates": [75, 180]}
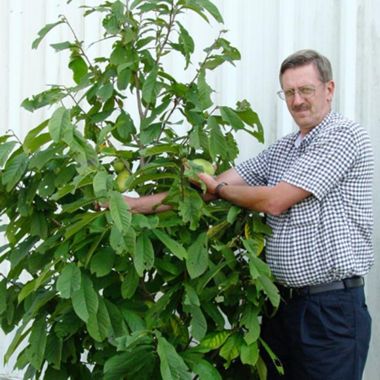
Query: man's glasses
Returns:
{"type": "Point", "coordinates": [304, 91]}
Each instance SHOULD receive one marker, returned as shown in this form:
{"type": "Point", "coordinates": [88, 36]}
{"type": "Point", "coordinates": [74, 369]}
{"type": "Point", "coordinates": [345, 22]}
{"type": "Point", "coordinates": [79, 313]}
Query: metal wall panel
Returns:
{"type": "Point", "coordinates": [348, 32]}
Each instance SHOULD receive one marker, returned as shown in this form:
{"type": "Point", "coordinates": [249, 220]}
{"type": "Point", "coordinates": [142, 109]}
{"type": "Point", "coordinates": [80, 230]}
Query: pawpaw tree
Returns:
{"type": "Point", "coordinates": [103, 293]}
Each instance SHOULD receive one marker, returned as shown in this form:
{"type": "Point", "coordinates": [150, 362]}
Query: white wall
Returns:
{"type": "Point", "coordinates": [348, 32]}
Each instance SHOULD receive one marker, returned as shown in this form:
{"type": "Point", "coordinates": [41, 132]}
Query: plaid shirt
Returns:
{"type": "Point", "coordinates": [328, 235]}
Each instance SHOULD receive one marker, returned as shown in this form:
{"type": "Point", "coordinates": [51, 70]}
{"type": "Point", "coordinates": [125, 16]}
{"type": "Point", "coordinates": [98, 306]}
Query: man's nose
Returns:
{"type": "Point", "coordinates": [297, 99]}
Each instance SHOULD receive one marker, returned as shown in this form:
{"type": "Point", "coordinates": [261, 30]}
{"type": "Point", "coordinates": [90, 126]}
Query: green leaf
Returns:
{"type": "Point", "coordinates": [230, 117]}
{"type": "Point", "coordinates": [69, 281]}
{"type": "Point", "coordinates": [270, 290]}
{"type": "Point", "coordinates": [43, 32]}
{"type": "Point", "coordinates": [79, 68]}
{"type": "Point", "coordinates": [100, 184]}
{"type": "Point", "coordinates": [37, 340]}
{"type": "Point", "coordinates": [213, 340]}
{"type": "Point", "coordinates": [62, 46]}
{"type": "Point", "coordinates": [5, 150]}
{"type": "Point", "coordinates": [231, 348]}
{"type": "Point", "coordinates": [105, 92]}
{"type": "Point", "coordinates": [84, 220]}
{"type": "Point", "coordinates": [198, 323]}
{"type": "Point", "coordinates": [59, 124]}
{"type": "Point", "coordinates": [144, 255]}
{"type": "Point", "coordinates": [217, 141]}
{"type": "Point", "coordinates": [3, 295]}
{"type": "Point", "coordinates": [249, 354]}
{"type": "Point", "coordinates": [197, 261]}
{"type": "Point", "coordinates": [233, 212]}
{"type": "Point", "coordinates": [211, 8]}
{"type": "Point", "coordinates": [14, 170]}
{"type": "Point", "coordinates": [120, 213]}
{"type": "Point", "coordinates": [130, 283]}
{"type": "Point", "coordinates": [102, 262]}
{"type": "Point", "coordinates": [172, 366]}
{"type": "Point", "coordinates": [53, 352]}
{"type": "Point", "coordinates": [250, 319]}
{"type": "Point", "coordinates": [186, 43]}
{"type": "Point", "coordinates": [99, 324]}
{"type": "Point", "coordinates": [190, 209]}
{"type": "Point", "coordinates": [159, 149]}
{"type": "Point", "coordinates": [206, 371]}
{"type": "Point", "coordinates": [174, 247]}
{"type": "Point", "coordinates": [43, 99]}
{"type": "Point", "coordinates": [85, 299]}
{"type": "Point", "coordinates": [138, 362]}
{"type": "Point", "coordinates": [204, 91]}
{"type": "Point", "coordinates": [149, 86]}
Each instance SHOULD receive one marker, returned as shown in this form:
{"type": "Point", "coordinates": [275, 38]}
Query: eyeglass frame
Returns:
{"type": "Point", "coordinates": [282, 94]}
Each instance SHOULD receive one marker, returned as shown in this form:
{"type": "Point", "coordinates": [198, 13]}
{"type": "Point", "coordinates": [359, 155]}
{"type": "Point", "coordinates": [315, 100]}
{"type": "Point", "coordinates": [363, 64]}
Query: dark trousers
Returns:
{"type": "Point", "coordinates": [323, 336]}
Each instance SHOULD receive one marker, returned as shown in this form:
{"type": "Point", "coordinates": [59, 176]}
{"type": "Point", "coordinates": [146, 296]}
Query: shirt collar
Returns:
{"type": "Point", "coordinates": [313, 132]}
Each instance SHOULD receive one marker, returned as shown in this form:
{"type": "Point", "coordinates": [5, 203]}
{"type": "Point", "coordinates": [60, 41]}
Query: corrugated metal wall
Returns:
{"type": "Point", "coordinates": [348, 32]}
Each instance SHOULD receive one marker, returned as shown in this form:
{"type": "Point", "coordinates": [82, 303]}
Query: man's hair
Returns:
{"type": "Point", "coordinates": [304, 57]}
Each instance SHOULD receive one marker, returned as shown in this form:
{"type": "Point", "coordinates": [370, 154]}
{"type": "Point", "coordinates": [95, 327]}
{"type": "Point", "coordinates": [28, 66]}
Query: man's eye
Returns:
{"type": "Point", "coordinates": [289, 93]}
{"type": "Point", "coordinates": [306, 90]}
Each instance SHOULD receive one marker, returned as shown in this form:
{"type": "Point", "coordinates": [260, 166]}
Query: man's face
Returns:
{"type": "Point", "coordinates": [310, 108]}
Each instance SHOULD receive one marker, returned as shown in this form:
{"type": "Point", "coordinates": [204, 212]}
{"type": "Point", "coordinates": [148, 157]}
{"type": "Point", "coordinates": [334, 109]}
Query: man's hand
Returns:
{"type": "Point", "coordinates": [210, 182]}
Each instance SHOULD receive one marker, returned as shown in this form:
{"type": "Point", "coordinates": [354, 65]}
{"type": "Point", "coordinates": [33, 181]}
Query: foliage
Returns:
{"type": "Point", "coordinates": [104, 293]}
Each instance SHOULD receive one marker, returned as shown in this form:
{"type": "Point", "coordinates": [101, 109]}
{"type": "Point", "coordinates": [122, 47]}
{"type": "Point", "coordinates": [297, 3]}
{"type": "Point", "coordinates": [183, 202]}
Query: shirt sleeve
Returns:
{"type": "Point", "coordinates": [325, 162]}
{"type": "Point", "coordinates": [255, 170]}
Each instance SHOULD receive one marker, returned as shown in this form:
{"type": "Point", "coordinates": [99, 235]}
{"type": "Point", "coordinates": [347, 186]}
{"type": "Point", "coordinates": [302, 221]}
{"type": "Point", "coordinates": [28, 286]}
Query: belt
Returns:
{"type": "Point", "coordinates": [347, 283]}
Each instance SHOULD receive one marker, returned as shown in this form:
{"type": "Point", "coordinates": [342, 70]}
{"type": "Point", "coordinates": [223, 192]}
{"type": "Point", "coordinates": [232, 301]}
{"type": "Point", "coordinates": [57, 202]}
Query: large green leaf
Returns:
{"type": "Point", "coordinates": [270, 290]}
{"type": "Point", "coordinates": [119, 211]}
{"type": "Point", "coordinates": [144, 255]}
{"type": "Point", "coordinates": [217, 141]}
{"type": "Point", "coordinates": [249, 353]}
{"type": "Point", "coordinates": [205, 370]}
{"type": "Point", "coordinates": [230, 117]}
{"type": "Point", "coordinates": [231, 348]}
{"type": "Point", "coordinates": [190, 209]}
{"type": "Point", "coordinates": [172, 366]}
{"type": "Point", "coordinates": [101, 179]}
{"type": "Point", "coordinates": [59, 124]}
{"type": "Point", "coordinates": [197, 261]}
{"type": "Point", "coordinates": [102, 262]}
{"type": "Point", "coordinates": [69, 281]}
{"type": "Point", "coordinates": [84, 220]}
{"type": "Point", "coordinates": [37, 341]}
{"type": "Point", "coordinates": [3, 296]}
{"type": "Point", "coordinates": [198, 323]}
{"type": "Point", "coordinates": [213, 340]}
{"type": "Point", "coordinates": [137, 362]}
{"type": "Point", "coordinates": [85, 299]}
{"type": "Point", "coordinates": [43, 99]}
{"type": "Point", "coordinates": [99, 324]}
{"type": "Point", "coordinates": [14, 170]}
{"type": "Point", "coordinates": [43, 32]}
{"type": "Point", "coordinates": [79, 68]}
{"type": "Point", "coordinates": [174, 247]}
{"type": "Point", "coordinates": [149, 86]}
{"type": "Point", "coordinates": [5, 150]}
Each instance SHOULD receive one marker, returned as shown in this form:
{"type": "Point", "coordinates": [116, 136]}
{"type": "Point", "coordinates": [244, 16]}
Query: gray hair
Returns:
{"type": "Point", "coordinates": [304, 57]}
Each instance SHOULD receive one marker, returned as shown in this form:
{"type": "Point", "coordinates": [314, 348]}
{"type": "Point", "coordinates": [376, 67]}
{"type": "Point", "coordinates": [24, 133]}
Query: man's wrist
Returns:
{"type": "Point", "coordinates": [218, 188]}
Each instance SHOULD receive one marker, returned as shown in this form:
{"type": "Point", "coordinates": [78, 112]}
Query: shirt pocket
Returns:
{"type": "Point", "coordinates": [305, 213]}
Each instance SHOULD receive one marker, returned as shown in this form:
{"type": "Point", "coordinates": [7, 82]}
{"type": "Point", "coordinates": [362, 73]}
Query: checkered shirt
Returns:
{"type": "Point", "coordinates": [328, 235]}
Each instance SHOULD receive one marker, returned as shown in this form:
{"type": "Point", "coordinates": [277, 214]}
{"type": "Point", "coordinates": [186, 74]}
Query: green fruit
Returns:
{"type": "Point", "coordinates": [121, 180]}
{"type": "Point", "coordinates": [118, 165]}
{"type": "Point", "coordinates": [206, 166]}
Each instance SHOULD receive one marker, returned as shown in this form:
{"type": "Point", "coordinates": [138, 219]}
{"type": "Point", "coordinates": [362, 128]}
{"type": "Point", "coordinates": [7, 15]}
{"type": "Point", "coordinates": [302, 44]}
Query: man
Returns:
{"type": "Point", "coordinates": [315, 188]}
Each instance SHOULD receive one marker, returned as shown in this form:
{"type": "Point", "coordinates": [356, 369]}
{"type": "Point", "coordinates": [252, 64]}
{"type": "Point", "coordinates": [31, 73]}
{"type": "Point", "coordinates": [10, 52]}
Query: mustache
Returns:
{"type": "Point", "coordinates": [300, 107]}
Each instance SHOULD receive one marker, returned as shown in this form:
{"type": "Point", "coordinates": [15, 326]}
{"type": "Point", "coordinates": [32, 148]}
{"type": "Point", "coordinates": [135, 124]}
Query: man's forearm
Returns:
{"type": "Point", "coordinates": [147, 204]}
